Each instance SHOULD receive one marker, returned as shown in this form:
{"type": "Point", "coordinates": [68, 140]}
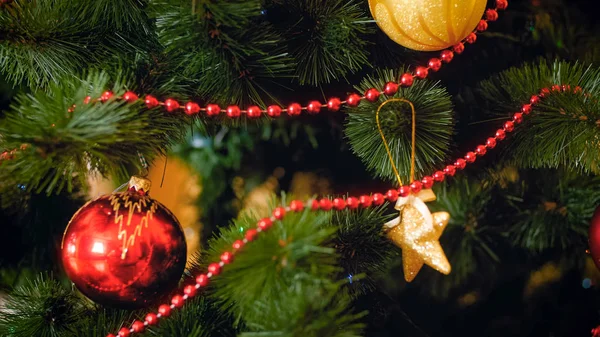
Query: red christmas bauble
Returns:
{"type": "Point", "coordinates": [124, 250]}
{"type": "Point", "coordinates": [594, 237]}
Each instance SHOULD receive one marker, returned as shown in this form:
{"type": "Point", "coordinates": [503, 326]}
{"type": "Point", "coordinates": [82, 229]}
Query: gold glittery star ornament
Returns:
{"type": "Point", "coordinates": [417, 232]}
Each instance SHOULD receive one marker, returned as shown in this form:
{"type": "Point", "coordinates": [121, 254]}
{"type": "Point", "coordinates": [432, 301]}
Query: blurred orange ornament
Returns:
{"type": "Point", "coordinates": [427, 25]}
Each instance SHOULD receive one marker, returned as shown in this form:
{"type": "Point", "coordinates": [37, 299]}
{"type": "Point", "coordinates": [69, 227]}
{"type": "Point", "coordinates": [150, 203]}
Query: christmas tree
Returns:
{"type": "Point", "coordinates": [338, 168]}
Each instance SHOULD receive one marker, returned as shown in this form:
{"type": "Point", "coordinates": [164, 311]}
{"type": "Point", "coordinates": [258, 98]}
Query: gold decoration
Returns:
{"type": "Point", "coordinates": [128, 238]}
{"type": "Point", "coordinates": [140, 183]}
{"type": "Point", "coordinates": [427, 25]}
{"type": "Point", "coordinates": [416, 231]}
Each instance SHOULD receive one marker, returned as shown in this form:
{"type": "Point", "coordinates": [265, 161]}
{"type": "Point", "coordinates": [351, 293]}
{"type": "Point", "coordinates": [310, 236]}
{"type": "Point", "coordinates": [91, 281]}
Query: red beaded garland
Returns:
{"type": "Point", "coordinates": [237, 244]}
{"type": "Point", "coordinates": [480, 150]}
{"type": "Point", "coordinates": [106, 96]}
{"type": "Point", "coordinates": [353, 100]}
{"type": "Point", "coordinates": [371, 95]}
{"type": "Point", "coordinates": [471, 38]}
{"type": "Point", "coordinates": [192, 108]}
{"type": "Point", "coordinates": [265, 223]}
{"type": "Point", "coordinates": [313, 107]}
{"type": "Point", "coordinates": [416, 187]}
{"type": "Point", "coordinates": [130, 97]}
{"type": "Point", "coordinates": [482, 25]}
{"type": "Point", "coordinates": [296, 206]}
{"type": "Point", "coordinates": [202, 279]}
{"type": "Point", "coordinates": [490, 143]}
{"type": "Point", "coordinates": [352, 202]}
{"type": "Point", "coordinates": [177, 301]}
{"type": "Point", "coordinates": [534, 99]}
{"type": "Point", "coordinates": [460, 164]}
{"type": "Point", "coordinates": [500, 134]}
{"type": "Point", "coordinates": [404, 191]}
{"type": "Point", "coordinates": [450, 170]}
{"type": "Point", "coordinates": [171, 105]}
{"type": "Point", "coordinates": [365, 201]}
{"type": "Point", "coordinates": [151, 101]}
{"type": "Point", "coordinates": [501, 4]}
{"type": "Point", "coordinates": [314, 205]}
{"type": "Point", "coordinates": [518, 117]}
{"type": "Point", "coordinates": [406, 80]}
{"type": "Point", "coordinates": [491, 15]}
{"type": "Point", "coordinates": [151, 319]}
{"type": "Point", "coordinates": [378, 199]}
{"type": "Point", "coordinates": [438, 176]}
{"type": "Point", "coordinates": [213, 109]}
{"type": "Point", "coordinates": [339, 204]}
{"type": "Point", "coordinates": [124, 332]}
{"type": "Point", "coordinates": [110, 335]}
{"type": "Point", "coordinates": [251, 234]}
{"type": "Point", "coordinates": [470, 157]}
{"type": "Point", "coordinates": [279, 213]}
{"type": "Point", "coordinates": [138, 326]}
{"type": "Point", "coordinates": [390, 88]}
{"type": "Point", "coordinates": [325, 204]}
{"type": "Point", "coordinates": [227, 257]}
{"type": "Point", "coordinates": [294, 109]}
{"type": "Point", "coordinates": [421, 72]}
{"type": "Point", "coordinates": [334, 104]}
{"type": "Point", "coordinates": [509, 126]}
{"type": "Point", "coordinates": [526, 109]}
{"type": "Point", "coordinates": [446, 56]}
{"type": "Point", "coordinates": [274, 110]}
{"type": "Point", "coordinates": [254, 111]}
{"type": "Point", "coordinates": [427, 182]}
{"type": "Point", "coordinates": [458, 48]}
{"type": "Point", "coordinates": [190, 290]}
{"type": "Point", "coordinates": [164, 310]}
{"type": "Point", "coordinates": [233, 111]}
{"type": "Point", "coordinates": [435, 64]}
{"type": "Point", "coordinates": [214, 268]}
{"type": "Point", "coordinates": [392, 195]}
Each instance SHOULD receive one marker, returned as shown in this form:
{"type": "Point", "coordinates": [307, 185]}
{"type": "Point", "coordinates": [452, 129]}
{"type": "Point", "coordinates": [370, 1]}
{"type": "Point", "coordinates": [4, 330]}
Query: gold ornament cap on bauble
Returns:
{"type": "Point", "coordinates": [139, 184]}
{"type": "Point", "coordinates": [427, 25]}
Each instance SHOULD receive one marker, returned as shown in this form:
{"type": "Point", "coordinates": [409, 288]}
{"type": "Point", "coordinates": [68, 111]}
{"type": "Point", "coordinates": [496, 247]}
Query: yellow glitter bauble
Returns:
{"type": "Point", "coordinates": [427, 25]}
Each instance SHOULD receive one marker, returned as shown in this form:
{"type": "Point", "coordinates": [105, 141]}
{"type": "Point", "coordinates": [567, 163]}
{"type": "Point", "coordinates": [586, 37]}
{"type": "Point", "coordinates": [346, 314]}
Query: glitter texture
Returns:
{"type": "Point", "coordinates": [427, 25]}
{"type": "Point", "coordinates": [416, 231]}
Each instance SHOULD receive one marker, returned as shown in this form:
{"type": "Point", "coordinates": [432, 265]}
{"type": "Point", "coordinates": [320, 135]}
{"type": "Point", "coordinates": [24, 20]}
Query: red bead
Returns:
{"type": "Point", "coordinates": [279, 213]}
{"type": "Point", "coordinates": [190, 290]}
{"type": "Point", "coordinates": [164, 310]}
{"type": "Point", "coordinates": [296, 206]}
{"type": "Point", "coordinates": [265, 223]}
{"type": "Point", "coordinates": [518, 118]}
{"type": "Point", "coordinates": [446, 56]}
{"type": "Point", "coordinates": [482, 25]}
{"type": "Point", "coordinates": [577, 89]}
{"type": "Point", "coordinates": [110, 335]}
{"type": "Point", "coordinates": [294, 109]}
{"type": "Point", "coordinates": [460, 164]}
{"type": "Point", "coordinates": [470, 157]}
{"type": "Point", "coordinates": [202, 280]}
{"type": "Point", "coordinates": [378, 199]}
{"type": "Point", "coordinates": [406, 80]}
{"type": "Point", "coordinates": [390, 88]}
{"type": "Point", "coordinates": [535, 99]}
{"type": "Point", "coordinates": [251, 234]}
{"type": "Point", "coordinates": [214, 268]}
{"type": "Point", "coordinates": [404, 191]}
{"type": "Point", "coordinates": [371, 95]}
{"type": "Point", "coordinates": [490, 143]}
{"type": "Point", "coordinates": [227, 257]}
{"type": "Point", "coordinates": [353, 100]}
{"type": "Point", "coordinates": [151, 319]}
{"type": "Point", "coordinates": [555, 88]}
{"type": "Point", "coordinates": [213, 109]}
{"type": "Point", "coordinates": [491, 15]}
{"type": "Point", "coordinates": [438, 176]}
{"type": "Point", "coordinates": [325, 204]}
{"type": "Point", "coordinates": [509, 126]}
{"type": "Point", "coordinates": [544, 92]}
{"type": "Point", "coordinates": [314, 107]}
{"type": "Point", "coordinates": [421, 72]}
{"type": "Point", "coordinates": [124, 332]}
{"type": "Point", "coordinates": [450, 170]}
{"type": "Point", "coordinates": [566, 87]}
{"type": "Point", "coordinates": [352, 202]}
{"type": "Point", "coordinates": [471, 38]}
{"type": "Point", "coordinates": [233, 111]}
{"type": "Point", "coordinates": [130, 97]}
{"type": "Point", "coordinates": [254, 111]}
{"type": "Point", "coordinates": [314, 205]}
{"type": "Point", "coordinates": [192, 108]}
{"type": "Point", "coordinates": [334, 104]}
{"type": "Point", "coordinates": [480, 150]}
{"type": "Point", "coordinates": [365, 201]}
{"type": "Point", "coordinates": [526, 109]}
{"type": "Point", "coordinates": [171, 105]}
{"type": "Point", "coordinates": [339, 204]}
{"type": "Point", "coordinates": [274, 110]}
{"type": "Point", "coordinates": [237, 244]}
{"type": "Point", "coordinates": [87, 100]}
{"type": "Point", "coordinates": [138, 326]}
{"type": "Point", "coordinates": [392, 195]}
{"type": "Point", "coordinates": [435, 64]}
{"type": "Point", "coordinates": [106, 96]}
{"type": "Point", "coordinates": [500, 134]}
{"type": "Point", "coordinates": [177, 301]}
{"type": "Point", "coordinates": [416, 187]}
{"type": "Point", "coordinates": [427, 182]}
{"type": "Point", "coordinates": [501, 4]}
{"type": "Point", "coordinates": [459, 48]}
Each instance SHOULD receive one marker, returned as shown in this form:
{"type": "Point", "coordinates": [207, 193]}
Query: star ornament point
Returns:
{"type": "Point", "coordinates": [417, 232]}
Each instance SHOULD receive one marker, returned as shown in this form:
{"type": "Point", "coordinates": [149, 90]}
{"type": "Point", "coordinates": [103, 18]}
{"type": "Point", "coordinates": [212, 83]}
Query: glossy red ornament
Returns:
{"type": "Point", "coordinates": [594, 237]}
{"type": "Point", "coordinates": [390, 88]}
{"type": "Point", "coordinates": [406, 80]}
{"type": "Point", "coordinates": [334, 104]}
{"type": "Point", "coordinates": [125, 249]}
{"type": "Point", "coordinates": [372, 95]}
{"type": "Point", "coordinates": [435, 64]}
